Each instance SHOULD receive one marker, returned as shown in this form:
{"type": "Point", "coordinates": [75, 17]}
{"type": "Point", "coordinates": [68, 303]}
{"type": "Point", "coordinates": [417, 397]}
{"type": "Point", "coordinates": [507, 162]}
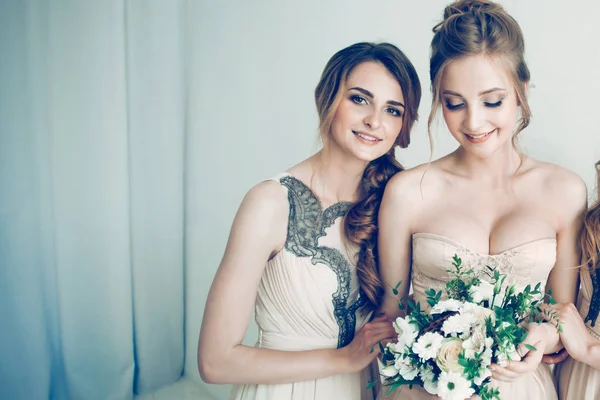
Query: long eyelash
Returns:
{"type": "Point", "coordinates": [358, 99]}
{"type": "Point", "coordinates": [452, 107]}
{"type": "Point", "coordinates": [395, 112]}
{"type": "Point", "coordinates": [494, 105]}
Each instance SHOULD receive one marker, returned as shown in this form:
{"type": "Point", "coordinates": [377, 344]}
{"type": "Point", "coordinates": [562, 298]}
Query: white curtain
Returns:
{"type": "Point", "coordinates": [92, 197]}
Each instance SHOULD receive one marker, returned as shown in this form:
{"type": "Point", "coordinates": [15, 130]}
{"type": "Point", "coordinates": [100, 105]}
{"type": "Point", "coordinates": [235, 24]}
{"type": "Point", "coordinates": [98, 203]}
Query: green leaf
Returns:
{"type": "Point", "coordinates": [371, 385]}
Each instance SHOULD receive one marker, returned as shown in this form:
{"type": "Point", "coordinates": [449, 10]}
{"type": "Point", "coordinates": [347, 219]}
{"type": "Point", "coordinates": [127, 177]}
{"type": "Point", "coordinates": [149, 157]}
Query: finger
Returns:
{"type": "Point", "coordinates": [379, 325]}
{"type": "Point", "coordinates": [555, 358]}
{"type": "Point", "coordinates": [379, 318]}
{"type": "Point", "coordinates": [528, 363]}
{"type": "Point", "coordinates": [378, 336]}
{"type": "Point", "coordinates": [502, 373]}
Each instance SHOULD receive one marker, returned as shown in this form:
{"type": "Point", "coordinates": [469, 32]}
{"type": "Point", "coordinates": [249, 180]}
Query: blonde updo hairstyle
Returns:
{"type": "Point", "coordinates": [473, 28]}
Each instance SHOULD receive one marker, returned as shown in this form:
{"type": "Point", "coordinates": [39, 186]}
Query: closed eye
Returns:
{"type": "Point", "coordinates": [493, 105]}
{"type": "Point", "coordinates": [453, 107]}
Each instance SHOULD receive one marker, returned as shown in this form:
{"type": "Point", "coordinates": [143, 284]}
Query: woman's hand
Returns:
{"type": "Point", "coordinates": [537, 337]}
{"type": "Point", "coordinates": [555, 358]}
{"type": "Point", "coordinates": [574, 335]}
{"type": "Point", "coordinates": [365, 346]}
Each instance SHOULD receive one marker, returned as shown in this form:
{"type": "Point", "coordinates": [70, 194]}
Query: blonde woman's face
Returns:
{"type": "Point", "coordinates": [370, 114]}
{"type": "Point", "coordinates": [479, 104]}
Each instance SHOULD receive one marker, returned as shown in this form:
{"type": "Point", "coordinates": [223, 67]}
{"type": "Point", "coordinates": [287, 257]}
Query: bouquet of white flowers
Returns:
{"type": "Point", "coordinates": [448, 348]}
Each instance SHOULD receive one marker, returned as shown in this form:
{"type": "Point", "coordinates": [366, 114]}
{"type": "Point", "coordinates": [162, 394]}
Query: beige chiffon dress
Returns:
{"type": "Point", "coordinates": [308, 298]}
{"type": "Point", "coordinates": [525, 264]}
{"type": "Point", "coordinates": [576, 380]}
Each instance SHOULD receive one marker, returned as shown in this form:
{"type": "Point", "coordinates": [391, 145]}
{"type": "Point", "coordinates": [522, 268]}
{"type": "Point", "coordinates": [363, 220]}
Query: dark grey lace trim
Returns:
{"type": "Point", "coordinates": [594, 309]}
{"type": "Point", "coordinates": [307, 223]}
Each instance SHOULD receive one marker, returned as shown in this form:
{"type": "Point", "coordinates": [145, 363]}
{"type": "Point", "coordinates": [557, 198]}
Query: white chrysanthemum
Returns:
{"type": "Point", "coordinates": [458, 323]}
{"type": "Point", "coordinates": [428, 345]}
{"type": "Point", "coordinates": [407, 333]}
{"type": "Point", "coordinates": [426, 373]}
{"type": "Point", "coordinates": [452, 386]}
{"type": "Point", "coordinates": [446, 305]}
{"type": "Point", "coordinates": [481, 292]}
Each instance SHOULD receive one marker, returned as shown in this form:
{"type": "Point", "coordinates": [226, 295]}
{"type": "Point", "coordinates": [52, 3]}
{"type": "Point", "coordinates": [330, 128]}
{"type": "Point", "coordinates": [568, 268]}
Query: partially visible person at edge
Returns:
{"type": "Point", "coordinates": [486, 201]}
{"type": "Point", "coordinates": [579, 376]}
{"type": "Point", "coordinates": [296, 239]}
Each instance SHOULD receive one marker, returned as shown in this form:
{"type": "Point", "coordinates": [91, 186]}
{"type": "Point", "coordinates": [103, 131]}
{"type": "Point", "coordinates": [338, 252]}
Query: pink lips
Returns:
{"type": "Point", "coordinates": [479, 138]}
{"type": "Point", "coordinates": [366, 137]}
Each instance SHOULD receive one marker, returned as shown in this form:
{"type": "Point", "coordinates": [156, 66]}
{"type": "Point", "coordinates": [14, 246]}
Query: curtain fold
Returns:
{"type": "Point", "coordinates": [92, 135]}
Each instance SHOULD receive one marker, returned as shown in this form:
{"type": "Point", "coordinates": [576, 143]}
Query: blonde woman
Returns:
{"type": "Point", "coordinates": [486, 201]}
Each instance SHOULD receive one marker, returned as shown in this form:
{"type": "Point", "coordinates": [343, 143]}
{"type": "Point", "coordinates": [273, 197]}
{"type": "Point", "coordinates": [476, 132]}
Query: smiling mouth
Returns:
{"type": "Point", "coordinates": [367, 137]}
{"type": "Point", "coordinates": [482, 136]}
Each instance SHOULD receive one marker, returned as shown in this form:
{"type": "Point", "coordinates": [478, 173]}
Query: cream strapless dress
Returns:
{"type": "Point", "coordinates": [525, 264]}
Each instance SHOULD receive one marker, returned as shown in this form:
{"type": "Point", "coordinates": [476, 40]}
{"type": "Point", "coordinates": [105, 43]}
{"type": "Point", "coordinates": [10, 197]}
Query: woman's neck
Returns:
{"type": "Point", "coordinates": [336, 178]}
{"type": "Point", "coordinates": [497, 167]}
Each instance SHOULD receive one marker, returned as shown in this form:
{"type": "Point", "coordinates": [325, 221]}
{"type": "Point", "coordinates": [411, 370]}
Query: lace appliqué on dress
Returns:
{"type": "Point", "coordinates": [307, 223]}
{"type": "Point", "coordinates": [478, 262]}
{"type": "Point", "coordinates": [594, 310]}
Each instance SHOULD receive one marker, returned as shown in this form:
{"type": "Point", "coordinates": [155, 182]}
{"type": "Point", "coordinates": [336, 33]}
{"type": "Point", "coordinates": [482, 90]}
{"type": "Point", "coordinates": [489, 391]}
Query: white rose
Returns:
{"type": "Point", "coordinates": [447, 358]}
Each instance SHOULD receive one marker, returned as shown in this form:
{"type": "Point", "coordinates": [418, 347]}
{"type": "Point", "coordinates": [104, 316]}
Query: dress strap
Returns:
{"type": "Point", "coordinates": [277, 178]}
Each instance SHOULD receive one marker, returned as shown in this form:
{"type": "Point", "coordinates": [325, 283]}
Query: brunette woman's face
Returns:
{"type": "Point", "coordinates": [370, 115]}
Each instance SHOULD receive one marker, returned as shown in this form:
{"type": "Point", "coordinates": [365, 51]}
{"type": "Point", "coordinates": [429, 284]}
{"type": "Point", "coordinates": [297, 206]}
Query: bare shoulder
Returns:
{"type": "Point", "coordinates": [264, 209]}
{"type": "Point", "coordinates": [266, 198]}
{"type": "Point", "coordinates": [413, 183]}
{"type": "Point", "coordinates": [561, 186]}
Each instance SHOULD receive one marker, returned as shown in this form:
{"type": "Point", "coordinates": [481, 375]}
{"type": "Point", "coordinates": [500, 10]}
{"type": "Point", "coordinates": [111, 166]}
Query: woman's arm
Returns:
{"type": "Point", "coordinates": [394, 242]}
{"type": "Point", "coordinates": [563, 282]}
{"type": "Point", "coordinates": [258, 232]}
{"type": "Point", "coordinates": [575, 336]}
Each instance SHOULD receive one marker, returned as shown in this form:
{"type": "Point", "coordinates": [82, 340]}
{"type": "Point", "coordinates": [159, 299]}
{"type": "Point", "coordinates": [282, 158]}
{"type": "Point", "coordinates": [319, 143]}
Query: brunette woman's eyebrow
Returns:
{"type": "Point", "coordinates": [369, 94]}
